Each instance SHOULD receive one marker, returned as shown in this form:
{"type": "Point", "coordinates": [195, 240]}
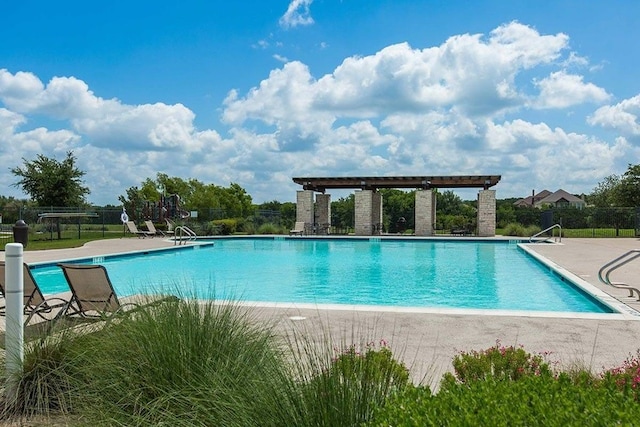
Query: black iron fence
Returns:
{"type": "Point", "coordinates": [97, 222]}
{"type": "Point", "coordinates": [593, 222]}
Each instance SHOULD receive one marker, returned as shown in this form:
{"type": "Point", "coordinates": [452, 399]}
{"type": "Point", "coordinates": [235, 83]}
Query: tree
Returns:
{"type": "Point", "coordinates": [628, 191]}
{"type": "Point", "coordinates": [234, 201]}
{"type": "Point", "coordinates": [621, 191]}
{"type": "Point", "coordinates": [397, 204]}
{"type": "Point", "coordinates": [604, 195]}
{"type": "Point", "coordinates": [342, 211]}
{"type": "Point", "coordinates": [52, 183]}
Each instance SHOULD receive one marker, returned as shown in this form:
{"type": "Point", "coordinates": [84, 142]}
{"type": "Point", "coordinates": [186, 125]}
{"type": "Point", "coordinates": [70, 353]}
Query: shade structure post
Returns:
{"type": "Point", "coordinates": [14, 327]}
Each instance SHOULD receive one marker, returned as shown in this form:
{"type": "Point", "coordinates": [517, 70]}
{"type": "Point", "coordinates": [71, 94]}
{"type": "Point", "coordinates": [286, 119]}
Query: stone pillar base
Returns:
{"type": "Point", "coordinates": [487, 213]}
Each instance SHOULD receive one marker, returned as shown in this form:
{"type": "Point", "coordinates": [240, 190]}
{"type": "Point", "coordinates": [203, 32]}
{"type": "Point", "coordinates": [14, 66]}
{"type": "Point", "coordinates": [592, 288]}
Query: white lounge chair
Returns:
{"type": "Point", "coordinates": [298, 229]}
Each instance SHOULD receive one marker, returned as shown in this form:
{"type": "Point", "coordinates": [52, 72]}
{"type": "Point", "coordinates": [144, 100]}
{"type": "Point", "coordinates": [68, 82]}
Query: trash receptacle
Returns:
{"type": "Point", "coordinates": [21, 232]}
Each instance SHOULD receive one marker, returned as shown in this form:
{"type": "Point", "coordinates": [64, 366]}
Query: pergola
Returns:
{"type": "Point", "coordinates": [374, 182]}
{"type": "Point", "coordinates": [368, 216]}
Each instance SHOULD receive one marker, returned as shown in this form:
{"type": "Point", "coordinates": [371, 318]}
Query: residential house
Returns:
{"type": "Point", "coordinates": [559, 199]}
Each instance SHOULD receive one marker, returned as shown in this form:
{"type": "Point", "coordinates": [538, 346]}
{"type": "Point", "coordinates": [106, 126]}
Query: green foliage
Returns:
{"type": "Point", "coordinates": [343, 211]}
{"type": "Point", "coordinates": [44, 386]}
{"type": "Point", "coordinates": [495, 363]}
{"type": "Point", "coordinates": [52, 183]}
{"type": "Point", "coordinates": [603, 196]}
{"type": "Point", "coordinates": [224, 226]}
{"type": "Point", "coordinates": [532, 400]}
{"type": "Point", "coordinates": [269, 228]}
{"type": "Point", "coordinates": [183, 363]}
{"type": "Point", "coordinates": [449, 203]}
{"type": "Point", "coordinates": [626, 377]}
{"type": "Point", "coordinates": [505, 214]}
{"type": "Point", "coordinates": [398, 204]}
{"type": "Point", "coordinates": [621, 191]}
{"type": "Point", "coordinates": [515, 229]}
{"type": "Point", "coordinates": [628, 192]}
{"type": "Point", "coordinates": [233, 201]}
{"type": "Point", "coordinates": [348, 391]}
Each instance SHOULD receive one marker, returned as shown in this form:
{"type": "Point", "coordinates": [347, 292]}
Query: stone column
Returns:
{"type": "Point", "coordinates": [364, 212]}
{"type": "Point", "coordinates": [304, 208]}
{"type": "Point", "coordinates": [323, 213]}
{"type": "Point", "coordinates": [376, 213]}
{"type": "Point", "coordinates": [425, 212]}
{"type": "Point", "coordinates": [487, 213]}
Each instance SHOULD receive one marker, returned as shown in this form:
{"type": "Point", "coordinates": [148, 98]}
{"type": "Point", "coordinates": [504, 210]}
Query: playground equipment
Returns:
{"type": "Point", "coordinates": [168, 207]}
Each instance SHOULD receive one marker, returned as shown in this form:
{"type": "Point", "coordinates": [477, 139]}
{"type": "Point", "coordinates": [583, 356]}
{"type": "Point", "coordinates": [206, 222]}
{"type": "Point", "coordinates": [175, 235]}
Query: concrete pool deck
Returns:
{"type": "Point", "coordinates": [427, 340]}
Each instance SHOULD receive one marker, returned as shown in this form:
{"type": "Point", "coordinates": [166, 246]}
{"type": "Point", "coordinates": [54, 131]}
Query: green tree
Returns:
{"type": "Point", "coordinates": [342, 211]}
{"type": "Point", "coordinates": [449, 203]}
{"type": "Point", "coordinates": [618, 191]}
{"type": "Point", "coordinates": [132, 201]}
{"type": "Point", "coordinates": [628, 190]}
{"type": "Point", "coordinates": [604, 195]}
{"type": "Point", "coordinates": [194, 196]}
{"type": "Point", "coordinates": [398, 204]}
{"type": "Point", "coordinates": [52, 183]}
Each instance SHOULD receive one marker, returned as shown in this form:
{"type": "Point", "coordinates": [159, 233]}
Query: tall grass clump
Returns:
{"type": "Point", "coordinates": [183, 363]}
{"type": "Point", "coordinates": [44, 387]}
{"type": "Point", "coordinates": [269, 228]}
{"type": "Point", "coordinates": [342, 385]}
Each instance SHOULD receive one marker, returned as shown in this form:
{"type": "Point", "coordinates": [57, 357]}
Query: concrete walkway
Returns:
{"type": "Point", "coordinates": [427, 340]}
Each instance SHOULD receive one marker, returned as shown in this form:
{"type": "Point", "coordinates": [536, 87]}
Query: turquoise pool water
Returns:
{"type": "Point", "coordinates": [404, 273]}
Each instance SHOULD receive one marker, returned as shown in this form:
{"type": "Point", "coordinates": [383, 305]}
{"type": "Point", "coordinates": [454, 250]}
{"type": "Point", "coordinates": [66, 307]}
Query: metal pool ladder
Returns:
{"type": "Point", "coordinates": [544, 231]}
{"type": "Point", "coordinates": [605, 271]}
{"type": "Point", "coordinates": [182, 234]}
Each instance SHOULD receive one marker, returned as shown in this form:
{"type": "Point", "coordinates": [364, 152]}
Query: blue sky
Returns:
{"type": "Point", "coordinates": [544, 93]}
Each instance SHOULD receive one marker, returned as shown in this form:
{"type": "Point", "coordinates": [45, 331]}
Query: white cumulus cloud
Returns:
{"type": "Point", "coordinates": [562, 90]}
{"type": "Point", "coordinates": [297, 14]}
{"type": "Point", "coordinates": [621, 117]}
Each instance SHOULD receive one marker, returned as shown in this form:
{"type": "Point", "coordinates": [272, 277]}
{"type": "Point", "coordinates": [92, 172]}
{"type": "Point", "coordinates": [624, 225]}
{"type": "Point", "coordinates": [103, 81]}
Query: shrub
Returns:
{"type": "Point", "coordinates": [498, 363]}
{"type": "Point", "coordinates": [626, 377]}
{"type": "Point", "coordinates": [532, 400]}
{"type": "Point", "coordinates": [224, 226]}
{"type": "Point", "coordinates": [351, 387]}
{"type": "Point", "coordinates": [531, 230]}
{"type": "Point", "coordinates": [270, 228]}
{"type": "Point", "coordinates": [514, 229]}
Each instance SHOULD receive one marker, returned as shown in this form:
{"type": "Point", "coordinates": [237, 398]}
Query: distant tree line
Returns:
{"type": "Point", "coordinates": [52, 183]}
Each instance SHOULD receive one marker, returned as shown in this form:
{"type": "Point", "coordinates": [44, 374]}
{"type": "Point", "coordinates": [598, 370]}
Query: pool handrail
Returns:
{"type": "Point", "coordinates": [180, 231]}
{"type": "Point", "coordinates": [544, 231]}
{"type": "Point", "coordinates": [616, 263]}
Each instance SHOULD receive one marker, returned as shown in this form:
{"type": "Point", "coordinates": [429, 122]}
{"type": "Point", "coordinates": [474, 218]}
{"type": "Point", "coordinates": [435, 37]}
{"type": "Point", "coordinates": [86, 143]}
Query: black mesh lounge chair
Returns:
{"type": "Point", "coordinates": [92, 292]}
{"type": "Point", "coordinates": [35, 303]}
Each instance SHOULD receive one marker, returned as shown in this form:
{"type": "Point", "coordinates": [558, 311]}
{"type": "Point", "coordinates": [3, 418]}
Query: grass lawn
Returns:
{"type": "Point", "coordinates": [69, 239]}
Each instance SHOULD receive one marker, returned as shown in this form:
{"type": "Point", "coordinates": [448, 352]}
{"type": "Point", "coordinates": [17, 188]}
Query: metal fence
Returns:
{"type": "Point", "coordinates": [50, 223]}
{"type": "Point", "coordinates": [101, 221]}
{"type": "Point", "coordinates": [594, 222]}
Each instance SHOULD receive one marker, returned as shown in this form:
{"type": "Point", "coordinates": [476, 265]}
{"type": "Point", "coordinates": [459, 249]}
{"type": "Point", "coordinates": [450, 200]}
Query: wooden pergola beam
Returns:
{"type": "Point", "coordinates": [321, 184]}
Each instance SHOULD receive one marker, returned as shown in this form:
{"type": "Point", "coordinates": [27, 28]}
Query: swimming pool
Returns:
{"type": "Point", "coordinates": [381, 272]}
